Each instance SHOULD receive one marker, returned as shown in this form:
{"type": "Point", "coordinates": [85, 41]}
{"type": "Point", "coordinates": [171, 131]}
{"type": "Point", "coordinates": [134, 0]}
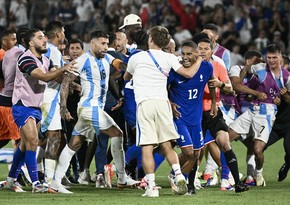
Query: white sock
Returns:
{"type": "Point", "coordinates": [40, 167]}
{"type": "Point", "coordinates": [40, 153]}
{"type": "Point", "coordinates": [150, 180]}
{"type": "Point", "coordinates": [118, 156]}
{"type": "Point", "coordinates": [176, 169]}
{"type": "Point", "coordinates": [63, 163]}
{"type": "Point", "coordinates": [210, 165]}
{"type": "Point", "coordinates": [251, 165]}
{"type": "Point", "coordinates": [50, 165]}
{"type": "Point", "coordinates": [259, 172]}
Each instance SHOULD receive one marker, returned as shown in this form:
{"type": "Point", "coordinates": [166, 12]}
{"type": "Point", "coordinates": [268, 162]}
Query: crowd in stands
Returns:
{"type": "Point", "coordinates": [243, 24]}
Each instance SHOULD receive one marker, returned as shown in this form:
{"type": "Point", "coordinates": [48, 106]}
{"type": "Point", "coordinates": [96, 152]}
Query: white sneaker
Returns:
{"type": "Point", "coordinates": [127, 183]}
{"type": "Point", "coordinates": [85, 177]}
{"type": "Point", "coordinates": [58, 187]}
{"type": "Point", "coordinates": [13, 186]}
{"type": "Point", "coordinates": [226, 186]}
{"type": "Point", "coordinates": [171, 180]}
{"type": "Point", "coordinates": [260, 181]}
{"type": "Point", "coordinates": [94, 177]}
{"type": "Point", "coordinates": [154, 192]}
{"type": "Point", "coordinates": [181, 185]}
{"type": "Point", "coordinates": [100, 181]}
{"type": "Point", "coordinates": [197, 183]}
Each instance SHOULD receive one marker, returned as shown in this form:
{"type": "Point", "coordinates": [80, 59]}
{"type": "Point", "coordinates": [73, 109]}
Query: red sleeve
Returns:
{"type": "Point", "coordinates": [177, 7]}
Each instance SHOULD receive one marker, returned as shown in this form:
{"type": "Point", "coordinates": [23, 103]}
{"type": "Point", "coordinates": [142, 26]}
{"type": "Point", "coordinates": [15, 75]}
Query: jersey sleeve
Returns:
{"type": "Point", "coordinates": [235, 71]}
{"type": "Point", "coordinates": [175, 65]}
{"type": "Point", "coordinates": [27, 64]}
{"type": "Point", "coordinates": [131, 64]}
{"type": "Point", "coordinates": [55, 56]}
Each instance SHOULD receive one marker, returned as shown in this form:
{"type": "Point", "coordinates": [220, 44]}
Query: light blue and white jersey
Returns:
{"type": "Point", "coordinates": [52, 90]}
{"type": "Point", "coordinates": [94, 75]}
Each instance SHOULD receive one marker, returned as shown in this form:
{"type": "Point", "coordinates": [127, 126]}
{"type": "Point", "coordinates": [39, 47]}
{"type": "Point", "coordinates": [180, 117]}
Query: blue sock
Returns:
{"type": "Point", "coordinates": [158, 158]}
{"type": "Point", "coordinates": [225, 168]}
{"type": "Point", "coordinates": [18, 161]}
{"type": "Point", "coordinates": [101, 153]}
{"type": "Point", "coordinates": [31, 164]}
{"type": "Point", "coordinates": [141, 172]}
{"type": "Point", "coordinates": [132, 153]}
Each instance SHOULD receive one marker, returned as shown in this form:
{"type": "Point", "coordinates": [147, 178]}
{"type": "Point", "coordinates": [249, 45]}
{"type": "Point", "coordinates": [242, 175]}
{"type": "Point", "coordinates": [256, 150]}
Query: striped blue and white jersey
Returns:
{"type": "Point", "coordinates": [52, 89]}
{"type": "Point", "coordinates": [94, 76]}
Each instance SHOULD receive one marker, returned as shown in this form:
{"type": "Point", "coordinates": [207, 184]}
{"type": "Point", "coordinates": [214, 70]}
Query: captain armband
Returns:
{"type": "Point", "coordinates": [116, 64]}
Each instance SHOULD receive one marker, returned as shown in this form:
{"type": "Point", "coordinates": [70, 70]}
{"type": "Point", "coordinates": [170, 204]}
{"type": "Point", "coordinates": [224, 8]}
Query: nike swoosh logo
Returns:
{"type": "Point", "coordinates": [179, 82]}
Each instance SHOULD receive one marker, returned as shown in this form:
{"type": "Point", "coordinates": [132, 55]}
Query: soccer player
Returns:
{"type": "Point", "coordinates": [150, 70]}
{"type": "Point", "coordinates": [8, 128]}
{"type": "Point", "coordinates": [32, 74]}
{"type": "Point", "coordinates": [75, 49]}
{"type": "Point", "coordinates": [241, 86]}
{"type": "Point", "coordinates": [273, 80]}
{"type": "Point", "coordinates": [186, 97]}
{"type": "Point", "coordinates": [216, 125]}
{"type": "Point", "coordinates": [94, 70]}
{"type": "Point", "coordinates": [51, 120]}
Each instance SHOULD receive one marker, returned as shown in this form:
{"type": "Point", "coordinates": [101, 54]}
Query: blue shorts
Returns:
{"type": "Point", "coordinates": [208, 138]}
{"type": "Point", "coordinates": [21, 114]}
{"type": "Point", "coordinates": [190, 136]}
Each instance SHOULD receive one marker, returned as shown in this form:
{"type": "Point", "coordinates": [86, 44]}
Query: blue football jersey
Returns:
{"type": "Point", "coordinates": [187, 93]}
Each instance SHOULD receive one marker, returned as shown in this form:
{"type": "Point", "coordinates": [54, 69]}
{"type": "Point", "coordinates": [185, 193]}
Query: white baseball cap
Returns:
{"type": "Point", "coordinates": [131, 19]}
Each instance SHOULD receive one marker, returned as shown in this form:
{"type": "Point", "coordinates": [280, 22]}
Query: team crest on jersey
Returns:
{"type": "Point", "coordinates": [182, 138]}
{"type": "Point", "coordinates": [201, 77]}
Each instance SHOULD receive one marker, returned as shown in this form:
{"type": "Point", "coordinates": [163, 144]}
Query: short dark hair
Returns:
{"type": "Point", "coordinates": [189, 43]}
{"type": "Point", "coordinates": [99, 34]}
{"type": "Point", "coordinates": [75, 40]}
{"type": "Point", "coordinates": [141, 38]}
{"type": "Point", "coordinates": [273, 48]}
{"type": "Point", "coordinates": [211, 26]}
{"type": "Point", "coordinates": [198, 36]}
{"type": "Point", "coordinates": [6, 32]}
{"type": "Point", "coordinates": [112, 37]}
{"type": "Point", "coordinates": [160, 36]}
{"type": "Point", "coordinates": [52, 27]}
{"type": "Point", "coordinates": [20, 34]}
{"type": "Point", "coordinates": [206, 40]}
{"type": "Point", "coordinates": [250, 54]}
{"type": "Point", "coordinates": [29, 35]}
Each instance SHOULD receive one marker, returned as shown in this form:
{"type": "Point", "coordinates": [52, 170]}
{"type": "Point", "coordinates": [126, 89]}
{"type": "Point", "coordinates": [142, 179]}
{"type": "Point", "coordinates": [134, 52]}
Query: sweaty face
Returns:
{"type": "Point", "coordinates": [205, 50]}
{"type": "Point", "coordinates": [75, 50]}
{"type": "Point", "coordinates": [39, 42]}
{"type": "Point", "coordinates": [99, 47]}
{"type": "Point", "coordinates": [274, 60]}
{"type": "Point", "coordinates": [188, 55]}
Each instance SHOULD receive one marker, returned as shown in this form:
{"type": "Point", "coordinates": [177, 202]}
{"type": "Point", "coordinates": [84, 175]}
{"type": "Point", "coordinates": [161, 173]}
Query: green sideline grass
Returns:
{"type": "Point", "coordinates": [274, 193]}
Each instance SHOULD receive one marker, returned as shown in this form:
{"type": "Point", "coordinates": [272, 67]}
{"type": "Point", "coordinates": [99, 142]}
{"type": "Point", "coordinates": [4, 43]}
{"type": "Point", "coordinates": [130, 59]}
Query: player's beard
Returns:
{"type": "Point", "coordinates": [40, 50]}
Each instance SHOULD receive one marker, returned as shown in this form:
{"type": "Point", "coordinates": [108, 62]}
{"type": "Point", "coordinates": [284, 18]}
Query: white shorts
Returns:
{"type": "Point", "coordinates": [260, 117]}
{"type": "Point", "coordinates": [51, 119]}
{"type": "Point", "coordinates": [92, 119]}
{"type": "Point", "coordinates": [155, 123]}
{"type": "Point", "coordinates": [229, 113]}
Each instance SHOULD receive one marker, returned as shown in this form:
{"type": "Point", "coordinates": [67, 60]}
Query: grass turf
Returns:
{"type": "Point", "coordinates": [274, 193]}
